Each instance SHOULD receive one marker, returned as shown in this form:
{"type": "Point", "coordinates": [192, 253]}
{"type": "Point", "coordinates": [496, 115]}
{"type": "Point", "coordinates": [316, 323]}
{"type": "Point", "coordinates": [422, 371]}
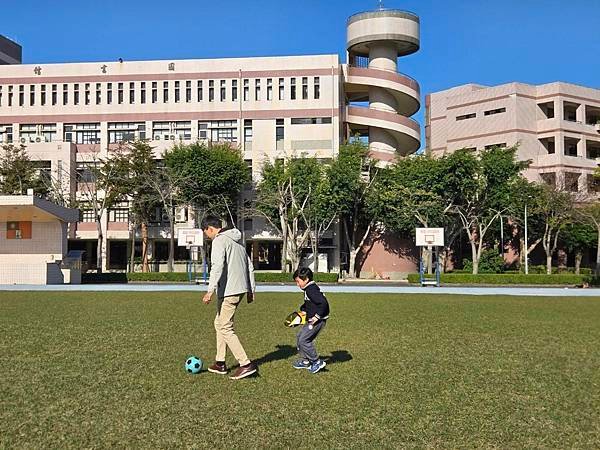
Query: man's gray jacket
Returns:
{"type": "Point", "coordinates": [231, 270]}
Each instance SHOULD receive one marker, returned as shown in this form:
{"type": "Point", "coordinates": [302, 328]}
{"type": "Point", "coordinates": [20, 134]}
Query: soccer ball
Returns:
{"type": "Point", "coordinates": [294, 319]}
{"type": "Point", "coordinates": [193, 364]}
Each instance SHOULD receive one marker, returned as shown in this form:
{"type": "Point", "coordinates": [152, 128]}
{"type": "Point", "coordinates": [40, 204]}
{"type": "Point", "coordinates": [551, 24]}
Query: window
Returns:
{"type": "Point", "coordinates": [293, 89]}
{"type": "Point", "coordinates": [10, 95]}
{"type": "Point", "coordinates": [54, 94]}
{"type": "Point", "coordinates": [281, 89]}
{"type": "Point", "coordinates": [165, 91]}
{"type": "Point", "coordinates": [247, 130]}
{"type": "Point", "coordinates": [154, 92]}
{"type": "Point", "coordinates": [593, 184]}
{"type": "Point", "coordinates": [310, 120]}
{"type": "Point", "coordinates": [126, 131]}
{"type": "Point", "coordinates": [65, 94]}
{"type": "Point", "coordinates": [222, 95]}
{"type": "Point", "coordinates": [120, 213]}
{"type": "Point", "coordinates": [85, 174]}
{"type": "Point", "coordinates": [177, 98]}
{"type": "Point", "coordinates": [85, 133]}
{"type": "Point", "coordinates": [269, 89]}
{"type": "Point", "coordinates": [257, 89]}
{"type": "Point", "coordinates": [87, 215]}
{"type": "Point", "coordinates": [572, 181]}
{"type": "Point", "coordinates": [211, 90]}
{"type": "Point", "coordinates": [466, 116]}
{"type": "Point", "coordinates": [76, 94]}
{"type": "Point", "coordinates": [120, 93]}
{"type": "Point", "coordinates": [0, 95]}
{"type": "Point", "coordinates": [43, 95]}
{"type": "Point", "coordinates": [234, 90]}
{"type": "Point", "coordinates": [32, 95]}
{"type": "Point", "coordinates": [571, 146]}
{"type": "Point", "coordinates": [21, 95]}
{"type": "Point", "coordinates": [304, 88]}
{"type": "Point", "coordinates": [172, 130]}
{"type": "Point", "coordinates": [317, 88]}
{"type": "Point", "coordinates": [188, 91]}
{"type": "Point", "coordinates": [220, 130]}
{"type": "Point", "coordinates": [199, 90]}
{"type": "Point", "coordinates": [143, 92]}
{"type": "Point", "coordinates": [6, 134]}
{"type": "Point", "coordinates": [109, 93]}
{"type": "Point", "coordinates": [202, 130]}
{"type": "Point", "coordinates": [494, 111]}
{"type": "Point", "coordinates": [246, 89]}
{"type": "Point", "coordinates": [279, 134]}
{"type": "Point", "coordinates": [18, 230]}
{"type": "Point", "coordinates": [501, 145]}
{"type": "Point", "coordinates": [98, 93]}
{"type": "Point", "coordinates": [86, 95]}
{"type": "Point", "coordinates": [131, 93]}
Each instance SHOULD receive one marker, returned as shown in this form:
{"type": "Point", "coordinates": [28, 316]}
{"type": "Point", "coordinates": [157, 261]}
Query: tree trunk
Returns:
{"type": "Point", "coordinates": [315, 250]}
{"type": "Point", "coordinates": [597, 271]}
{"type": "Point", "coordinates": [132, 253]}
{"type": "Point", "coordinates": [99, 247]}
{"type": "Point", "coordinates": [474, 258]}
{"type": "Point", "coordinates": [145, 267]}
{"type": "Point", "coordinates": [171, 242]}
{"type": "Point", "coordinates": [549, 263]}
{"type": "Point", "coordinates": [578, 258]}
{"type": "Point", "coordinates": [352, 271]}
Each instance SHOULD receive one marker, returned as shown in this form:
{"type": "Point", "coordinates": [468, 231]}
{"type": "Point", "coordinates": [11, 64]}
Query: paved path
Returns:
{"type": "Point", "coordinates": [135, 287]}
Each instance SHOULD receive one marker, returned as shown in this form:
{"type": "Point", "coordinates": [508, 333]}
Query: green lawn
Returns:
{"type": "Point", "coordinates": [106, 370]}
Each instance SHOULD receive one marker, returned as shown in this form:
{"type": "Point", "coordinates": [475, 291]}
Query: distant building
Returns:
{"type": "Point", "coordinates": [10, 51]}
{"type": "Point", "coordinates": [271, 107]}
{"type": "Point", "coordinates": [557, 127]}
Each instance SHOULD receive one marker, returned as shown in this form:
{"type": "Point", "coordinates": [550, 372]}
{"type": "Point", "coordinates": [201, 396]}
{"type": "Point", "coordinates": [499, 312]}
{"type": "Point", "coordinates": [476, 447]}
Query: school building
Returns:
{"type": "Point", "coordinates": [271, 107]}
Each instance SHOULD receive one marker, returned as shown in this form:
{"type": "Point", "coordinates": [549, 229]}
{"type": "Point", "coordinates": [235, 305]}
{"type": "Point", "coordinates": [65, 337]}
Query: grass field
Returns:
{"type": "Point", "coordinates": [99, 370]}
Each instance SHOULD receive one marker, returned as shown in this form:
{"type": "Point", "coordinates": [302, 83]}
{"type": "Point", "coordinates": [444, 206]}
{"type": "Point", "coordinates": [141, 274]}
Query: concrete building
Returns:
{"type": "Point", "coordinates": [33, 241]}
{"type": "Point", "coordinates": [556, 125]}
{"type": "Point", "coordinates": [271, 107]}
{"type": "Point", "coordinates": [10, 51]}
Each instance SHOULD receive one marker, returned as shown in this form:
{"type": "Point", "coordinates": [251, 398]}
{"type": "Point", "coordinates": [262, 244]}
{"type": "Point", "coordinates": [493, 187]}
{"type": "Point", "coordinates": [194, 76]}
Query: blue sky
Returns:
{"type": "Point", "coordinates": [482, 41]}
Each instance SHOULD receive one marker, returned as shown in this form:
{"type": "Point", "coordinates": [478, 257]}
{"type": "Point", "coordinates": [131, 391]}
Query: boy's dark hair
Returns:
{"type": "Point", "coordinates": [211, 221]}
{"type": "Point", "coordinates": [304, 273]}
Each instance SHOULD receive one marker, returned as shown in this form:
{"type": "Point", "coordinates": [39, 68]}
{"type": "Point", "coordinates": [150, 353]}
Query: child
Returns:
{"type": "Point", "coordinates": [316, 308]}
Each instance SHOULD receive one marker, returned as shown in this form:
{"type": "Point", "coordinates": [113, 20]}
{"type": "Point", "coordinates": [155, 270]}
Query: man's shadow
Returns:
{"type": "Point", "coordinates": [285, 351]}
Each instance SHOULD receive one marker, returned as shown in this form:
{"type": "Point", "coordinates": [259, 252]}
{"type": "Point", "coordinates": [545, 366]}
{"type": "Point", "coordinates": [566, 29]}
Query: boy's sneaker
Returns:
{"type": "Point", "coordinates": [218, 367]}
{"type": "Point", "coordinates": [317, 365]}
{"type": "Point", "coordinates": [244, 371]}
{"type": "Point", "coordinates": [301, 364]}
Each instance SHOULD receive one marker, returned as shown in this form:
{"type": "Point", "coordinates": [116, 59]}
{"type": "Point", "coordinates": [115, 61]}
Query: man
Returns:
{"type": "Point", "coordinates": [231, 277]}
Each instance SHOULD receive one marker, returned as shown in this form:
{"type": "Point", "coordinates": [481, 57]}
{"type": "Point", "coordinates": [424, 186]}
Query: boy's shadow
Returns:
{"type": "Point", "coordinates": [285, 351]}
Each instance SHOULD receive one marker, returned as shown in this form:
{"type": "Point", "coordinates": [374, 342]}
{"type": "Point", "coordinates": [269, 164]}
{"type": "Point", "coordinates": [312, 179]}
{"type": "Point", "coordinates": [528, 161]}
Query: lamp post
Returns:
{"type": "Point", "coordinates": [526, 245]}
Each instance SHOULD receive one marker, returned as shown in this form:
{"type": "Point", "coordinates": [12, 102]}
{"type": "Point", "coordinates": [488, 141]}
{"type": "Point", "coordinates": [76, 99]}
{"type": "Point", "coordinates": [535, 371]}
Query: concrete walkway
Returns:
{"type": "Point", "coordinates": [135, 287]}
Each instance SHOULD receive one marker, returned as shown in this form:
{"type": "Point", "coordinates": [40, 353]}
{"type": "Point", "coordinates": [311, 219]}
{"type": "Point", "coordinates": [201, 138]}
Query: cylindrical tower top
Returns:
{"type": "Point", "coordinates": [390, 26]}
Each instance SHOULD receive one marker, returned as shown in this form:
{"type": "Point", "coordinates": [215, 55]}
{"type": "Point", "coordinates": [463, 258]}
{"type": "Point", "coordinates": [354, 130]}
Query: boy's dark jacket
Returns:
{"type": "Point", "coordinates": [315, 303]}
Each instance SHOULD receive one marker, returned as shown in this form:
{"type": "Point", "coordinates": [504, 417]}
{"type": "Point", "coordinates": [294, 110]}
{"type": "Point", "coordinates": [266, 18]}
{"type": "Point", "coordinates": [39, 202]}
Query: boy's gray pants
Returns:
{"type": "Point", "coordinates": [305, 340]}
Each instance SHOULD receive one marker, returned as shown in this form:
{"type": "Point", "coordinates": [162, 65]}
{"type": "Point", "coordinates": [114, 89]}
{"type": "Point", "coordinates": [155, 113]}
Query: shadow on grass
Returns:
{"type": "Point", "coordinates": [285, 351]}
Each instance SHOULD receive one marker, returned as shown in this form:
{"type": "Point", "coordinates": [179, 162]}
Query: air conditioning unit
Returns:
{"type": "Point", "coordinates": [181, 215]}
{"type": "Point", "coordinates": [164, 217]}
{"type": "Point", "coordinates": [157, 137]}
{"type": "Point", "coordinates": [38, 139]}
{"type": "Point", "coordinates": [172, 137]}
{"type": "Point", "coordinates": [23, 140]}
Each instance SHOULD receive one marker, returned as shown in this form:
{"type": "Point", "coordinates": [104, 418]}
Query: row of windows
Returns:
{"type": "Point", "coordinates": [90, 133]}
{"type": "Point", "coordinates": [490, 112]}
{"type": "Point", "coordinates": [158, 92]}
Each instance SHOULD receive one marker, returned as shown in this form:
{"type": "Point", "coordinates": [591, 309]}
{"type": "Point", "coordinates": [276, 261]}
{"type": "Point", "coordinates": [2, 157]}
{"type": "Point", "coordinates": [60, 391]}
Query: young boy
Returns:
{"type": "Point", "coordinates": [316, 308]}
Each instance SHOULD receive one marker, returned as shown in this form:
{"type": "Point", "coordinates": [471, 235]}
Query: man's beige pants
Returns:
{"type": "Point", "coordinates": [225, 334]}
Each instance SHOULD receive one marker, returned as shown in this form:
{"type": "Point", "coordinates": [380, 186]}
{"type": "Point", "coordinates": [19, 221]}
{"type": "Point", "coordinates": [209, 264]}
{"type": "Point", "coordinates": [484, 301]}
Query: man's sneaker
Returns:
{"type": "Point", "coordinates": [317, 365]}
{"type": "Point", "coordinates": [301, 364]}
{"type": "Point", "coordinates": [218, 367]}
{"type": "Point", "coordinates": [244, 371]}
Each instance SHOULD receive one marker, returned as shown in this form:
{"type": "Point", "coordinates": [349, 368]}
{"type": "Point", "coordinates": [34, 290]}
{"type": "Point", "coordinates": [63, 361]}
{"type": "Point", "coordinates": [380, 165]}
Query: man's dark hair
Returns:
{"type": "Point", "coordinates": [304, 273]}
{"type": "Point", "coordinates": [211, 221]}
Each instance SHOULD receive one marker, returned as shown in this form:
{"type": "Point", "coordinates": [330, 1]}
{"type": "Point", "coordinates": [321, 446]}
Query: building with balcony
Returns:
{"type": "Point", "coordinates": [271, 107]}
{"type": "Point", "coordinates": [557, 127]}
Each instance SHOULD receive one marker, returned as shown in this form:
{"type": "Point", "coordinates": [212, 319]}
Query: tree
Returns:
{"type": "Point", "coordinates": [590, 213]}
{"type": "Point", "coordinates": [578, 237]}
{"type": "Point", "coordinates": [496, 173]}
{"type": "Point", "coordinates": [354, 182]}
{"type": "Point", "coordinates": [17, 172]}
{"type": "Point", "coordinates": [284, 197]}
{"type": "Point", "coordinates": [555, 208]}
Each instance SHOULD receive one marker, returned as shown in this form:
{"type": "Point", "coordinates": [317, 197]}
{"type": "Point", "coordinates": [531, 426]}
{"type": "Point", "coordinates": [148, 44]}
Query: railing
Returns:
{"type": "Point", "coordinates": [363, 65]}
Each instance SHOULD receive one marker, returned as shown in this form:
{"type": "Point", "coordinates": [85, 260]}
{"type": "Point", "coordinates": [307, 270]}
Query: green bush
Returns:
{"type": "Point", "coordinates": [260, 277]}
{"type": "Point", "coordinates": [489, 262]}
{"type": "Point", "coordinates": [511, 279]}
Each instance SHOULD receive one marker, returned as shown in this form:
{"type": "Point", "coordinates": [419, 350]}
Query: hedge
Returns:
{"type": "Point", "coordinates": [181, 277]}
{"type": "Point", "coordinates": [511, 278]}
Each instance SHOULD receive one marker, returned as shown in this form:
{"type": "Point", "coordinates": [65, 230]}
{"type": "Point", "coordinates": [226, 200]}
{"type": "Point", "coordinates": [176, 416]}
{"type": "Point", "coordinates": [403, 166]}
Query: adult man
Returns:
{"type": "Point", "coordinates": [231, 277]}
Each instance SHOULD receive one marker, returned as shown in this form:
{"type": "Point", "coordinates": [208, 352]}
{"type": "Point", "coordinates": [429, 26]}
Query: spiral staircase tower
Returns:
{"type": "Point", "coordinates": [375, 40]}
